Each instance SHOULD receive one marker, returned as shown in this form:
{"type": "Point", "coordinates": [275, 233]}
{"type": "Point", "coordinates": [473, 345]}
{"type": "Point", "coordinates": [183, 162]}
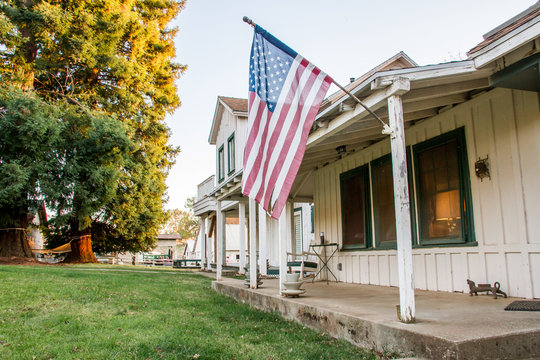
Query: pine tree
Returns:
{"type": "Point", "coordinates": [113, 57]}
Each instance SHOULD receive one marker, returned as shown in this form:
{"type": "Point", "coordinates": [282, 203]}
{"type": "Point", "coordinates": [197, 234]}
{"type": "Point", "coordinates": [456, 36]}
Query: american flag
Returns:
{"type": "Point", "coordinates": [285, 93]}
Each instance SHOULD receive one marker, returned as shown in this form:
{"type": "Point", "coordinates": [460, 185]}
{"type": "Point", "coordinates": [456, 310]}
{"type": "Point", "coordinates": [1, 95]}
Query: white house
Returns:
{"type": "Point", "coordinates": [446, 191]}
{"type": "Point", "coordinates": [228, 134]}
{"type": "Point", "coordinates": [472, 149]}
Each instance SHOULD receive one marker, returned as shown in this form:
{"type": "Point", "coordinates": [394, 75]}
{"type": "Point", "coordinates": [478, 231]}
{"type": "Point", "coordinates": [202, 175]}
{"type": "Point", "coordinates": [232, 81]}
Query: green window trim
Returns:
{"type": "Point", "coordinates": [221, 165]}
{"type": "Point", "coordinates": [465, 199]}
{"type": "Point", "coordinates": [312, 219]}
{"type": "Point", "coordinates": [298, 211]}
{"type": "Point", "coordinates": [363, 173]}
{"type": "Point", "coordinates": [383, 160]}
{"type": "Point", "coordinates": [231, 154]}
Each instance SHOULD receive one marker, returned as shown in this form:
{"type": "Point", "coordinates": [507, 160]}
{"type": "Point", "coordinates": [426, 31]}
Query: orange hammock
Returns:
{"type": "Point", "coordinates": [52, 256]}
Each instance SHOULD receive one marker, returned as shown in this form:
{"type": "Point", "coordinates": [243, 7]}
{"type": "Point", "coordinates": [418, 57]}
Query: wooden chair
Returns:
{"type": "Point", "coordinates": [302, 263]}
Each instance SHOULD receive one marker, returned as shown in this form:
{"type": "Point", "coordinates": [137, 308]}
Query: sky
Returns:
{"type": "Point", "coordinates": [344, 38]}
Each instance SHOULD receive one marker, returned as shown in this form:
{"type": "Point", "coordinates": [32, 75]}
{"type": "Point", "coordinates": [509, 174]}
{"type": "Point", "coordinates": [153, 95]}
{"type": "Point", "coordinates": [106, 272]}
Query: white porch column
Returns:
{"type": "Point", "coordinates": [202, 233]}
{"type": "Point", "coordinates": [224, 239]}
{"type": "Point", "coordinates": [242, 223]}
{"type": "Point", "coordinates": [284, 239]}
{"type": "Point", "coordinates": [209, 241]}
{"type": "Point", "coordinates": [219, 236]}
{"type": "Point", "coordinates": [402, 208]}
{"type": "Point", "coordinates": [252, 244]}
{"type": "Point", "coordinates": [263, 247]}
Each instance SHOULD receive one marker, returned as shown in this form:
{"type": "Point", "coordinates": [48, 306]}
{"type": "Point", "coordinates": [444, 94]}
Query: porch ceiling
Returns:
{"type": "Point", "coordinates": [433, 89]}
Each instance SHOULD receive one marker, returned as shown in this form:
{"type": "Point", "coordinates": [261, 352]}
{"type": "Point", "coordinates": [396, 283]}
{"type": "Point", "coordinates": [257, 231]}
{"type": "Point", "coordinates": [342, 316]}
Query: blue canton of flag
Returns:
{"type": "Point", "coordinates": [269, 66]}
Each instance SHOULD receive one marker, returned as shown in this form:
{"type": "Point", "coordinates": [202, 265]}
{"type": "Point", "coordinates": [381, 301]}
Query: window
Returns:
{"type": "Point", "coordinates": [354, 212]}
{"type": "Point", "coordinates": [298, 230]}
{"type": "Point", "coordinates": [230, 154]}
{"type": "Point", "coordinates": [221, 164]}
{"type": "Point", "coordinates": [443, 190]}
{"type": "Point", "coordinates": [383, 202]}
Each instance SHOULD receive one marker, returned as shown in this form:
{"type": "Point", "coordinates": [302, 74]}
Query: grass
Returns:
{"type": "Point", "coordinates": [53, 312]}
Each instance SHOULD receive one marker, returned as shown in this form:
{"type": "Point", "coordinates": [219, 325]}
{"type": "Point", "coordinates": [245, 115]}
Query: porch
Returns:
{"type": "Point", "coordinates": [448, 325]}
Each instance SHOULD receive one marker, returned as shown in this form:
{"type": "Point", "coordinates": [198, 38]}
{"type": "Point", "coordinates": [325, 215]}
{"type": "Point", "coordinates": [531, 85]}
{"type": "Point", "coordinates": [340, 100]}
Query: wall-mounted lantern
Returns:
{"type": "Point", "coordinates": [481, 168]}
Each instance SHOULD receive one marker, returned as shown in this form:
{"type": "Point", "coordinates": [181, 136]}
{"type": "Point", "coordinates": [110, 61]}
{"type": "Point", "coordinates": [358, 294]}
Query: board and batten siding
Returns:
{"type": "Point", "coordinates": [502, 124]}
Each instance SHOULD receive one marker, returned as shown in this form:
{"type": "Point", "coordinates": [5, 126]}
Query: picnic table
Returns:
{"type": "Point", "coordinates": [156, 259]}
{"type": "Point", "coordinates": [183, 263]}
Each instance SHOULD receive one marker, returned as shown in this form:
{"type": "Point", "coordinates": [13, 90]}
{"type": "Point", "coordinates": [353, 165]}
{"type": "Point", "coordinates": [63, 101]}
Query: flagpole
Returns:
{"type": "Point", "coordinates": [385, 126]}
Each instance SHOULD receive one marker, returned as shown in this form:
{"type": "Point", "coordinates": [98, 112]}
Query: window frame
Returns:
{"type": "Point", "coordinates": [362, 171]}
{"type": "Point", "coordinates": [221, 165]}
{"type": "Point", "coordinates": [231, 160]}
{"type": "Point", "coordinates": [464, 186]}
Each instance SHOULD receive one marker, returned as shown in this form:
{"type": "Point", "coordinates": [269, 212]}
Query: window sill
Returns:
{"type": "Point", "coordinates": [352, 248]}
{"type": "Point", "coordinates": [394, 248]}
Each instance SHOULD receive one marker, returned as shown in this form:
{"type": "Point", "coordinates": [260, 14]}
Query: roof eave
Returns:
{"type": "Point", "coordinates": [507, 43]}
{"type": "Point", "coordinates": [385, 77]}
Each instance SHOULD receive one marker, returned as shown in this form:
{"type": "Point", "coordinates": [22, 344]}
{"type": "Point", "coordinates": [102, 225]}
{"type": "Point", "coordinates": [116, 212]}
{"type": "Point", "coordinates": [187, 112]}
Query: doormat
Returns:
{"type": "Point", "coordinates": [523, 305]}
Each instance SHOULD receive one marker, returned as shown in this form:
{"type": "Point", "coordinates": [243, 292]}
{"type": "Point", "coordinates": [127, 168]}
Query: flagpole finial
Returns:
{"type": "Point", "coordinates": [248, 20]}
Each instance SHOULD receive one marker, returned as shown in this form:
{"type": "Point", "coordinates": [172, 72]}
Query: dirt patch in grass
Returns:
{"type": "Point", "coordinates": [15, 260]}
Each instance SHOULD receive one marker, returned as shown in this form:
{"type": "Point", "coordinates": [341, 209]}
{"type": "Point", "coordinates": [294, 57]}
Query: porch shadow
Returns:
{"type": "Point", "coordinates": [448, 326]}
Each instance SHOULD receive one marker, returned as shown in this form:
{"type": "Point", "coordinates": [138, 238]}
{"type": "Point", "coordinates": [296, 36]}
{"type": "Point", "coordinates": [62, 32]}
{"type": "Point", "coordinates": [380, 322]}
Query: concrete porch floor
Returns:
{"type": "Point", "coordinates": [448, 325]}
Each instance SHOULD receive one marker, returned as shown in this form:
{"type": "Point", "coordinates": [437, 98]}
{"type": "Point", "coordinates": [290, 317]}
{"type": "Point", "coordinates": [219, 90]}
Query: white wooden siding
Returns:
{"type": "Point", "coordinates": [502, 124]}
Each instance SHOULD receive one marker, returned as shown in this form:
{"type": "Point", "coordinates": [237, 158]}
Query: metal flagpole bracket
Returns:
{"type": "Point", "coordinates": [387, 130]}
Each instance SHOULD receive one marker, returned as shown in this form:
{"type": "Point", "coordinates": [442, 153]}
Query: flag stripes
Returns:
{"type": "Point", "coordinates": [276, 139]}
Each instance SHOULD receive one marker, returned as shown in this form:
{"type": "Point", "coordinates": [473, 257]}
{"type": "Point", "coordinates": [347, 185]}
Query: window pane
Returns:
{"type": "Point", "coordinates": [230, 150]}
{"type": "Point", "coordinates": [385, 216]}
{"type": "Point", "coordinates": [353, 209]}
{"type": "Point", "coordinates": [440, 207]}
{"type": "Point", "coordinates": [221, 164]}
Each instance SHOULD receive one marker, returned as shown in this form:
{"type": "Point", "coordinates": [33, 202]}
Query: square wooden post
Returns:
{"type": "Point", "coordinates": [202, 234]}
{"type": "Point", "coordinates": [252, 244]}
{"type": "Point", "coordinates": [402, 208]}
{"type": "Point", "coordinates": [242, 225]}
{"type": "Point", "coordinates": [219, 236]}
{"type": "Point", "coordinates": [262, 240]}
{"type": "Point", "coordinates": [284, 240]}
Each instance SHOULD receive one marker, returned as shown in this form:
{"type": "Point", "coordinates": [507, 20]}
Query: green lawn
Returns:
{"type": "Point", "coordinates": [64, 312]}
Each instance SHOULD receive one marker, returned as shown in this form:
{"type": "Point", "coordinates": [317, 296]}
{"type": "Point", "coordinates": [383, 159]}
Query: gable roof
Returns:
{"type": "Point", "coordinates": [398, 61]}
{"type": "Point", "coordinates": [236, 106]}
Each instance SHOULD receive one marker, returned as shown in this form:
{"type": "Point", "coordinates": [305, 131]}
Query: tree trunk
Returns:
{"type": "Point", "coordinates": [29, 50]}
{"type": "Point", "coordinates": [81, 251]}
{"type": "Point", "coordinates": [13, 242]}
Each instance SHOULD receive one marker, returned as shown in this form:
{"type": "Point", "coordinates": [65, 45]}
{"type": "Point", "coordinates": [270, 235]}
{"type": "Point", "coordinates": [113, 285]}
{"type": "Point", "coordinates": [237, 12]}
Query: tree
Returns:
{"type": "Point", "coordinates": [183, 222]}
{"type": "Point", "coordinates": [57, 154]}
{"type": "Point", "coordinates": [113, 57]}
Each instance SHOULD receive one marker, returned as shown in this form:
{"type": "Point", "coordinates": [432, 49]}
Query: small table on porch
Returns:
{"type": "Point", "coordinates": [321, 254]}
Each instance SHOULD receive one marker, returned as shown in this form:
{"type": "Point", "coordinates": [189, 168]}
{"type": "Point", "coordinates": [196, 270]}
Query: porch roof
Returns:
{"type": "Point", "coordinates": [426, 91]}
